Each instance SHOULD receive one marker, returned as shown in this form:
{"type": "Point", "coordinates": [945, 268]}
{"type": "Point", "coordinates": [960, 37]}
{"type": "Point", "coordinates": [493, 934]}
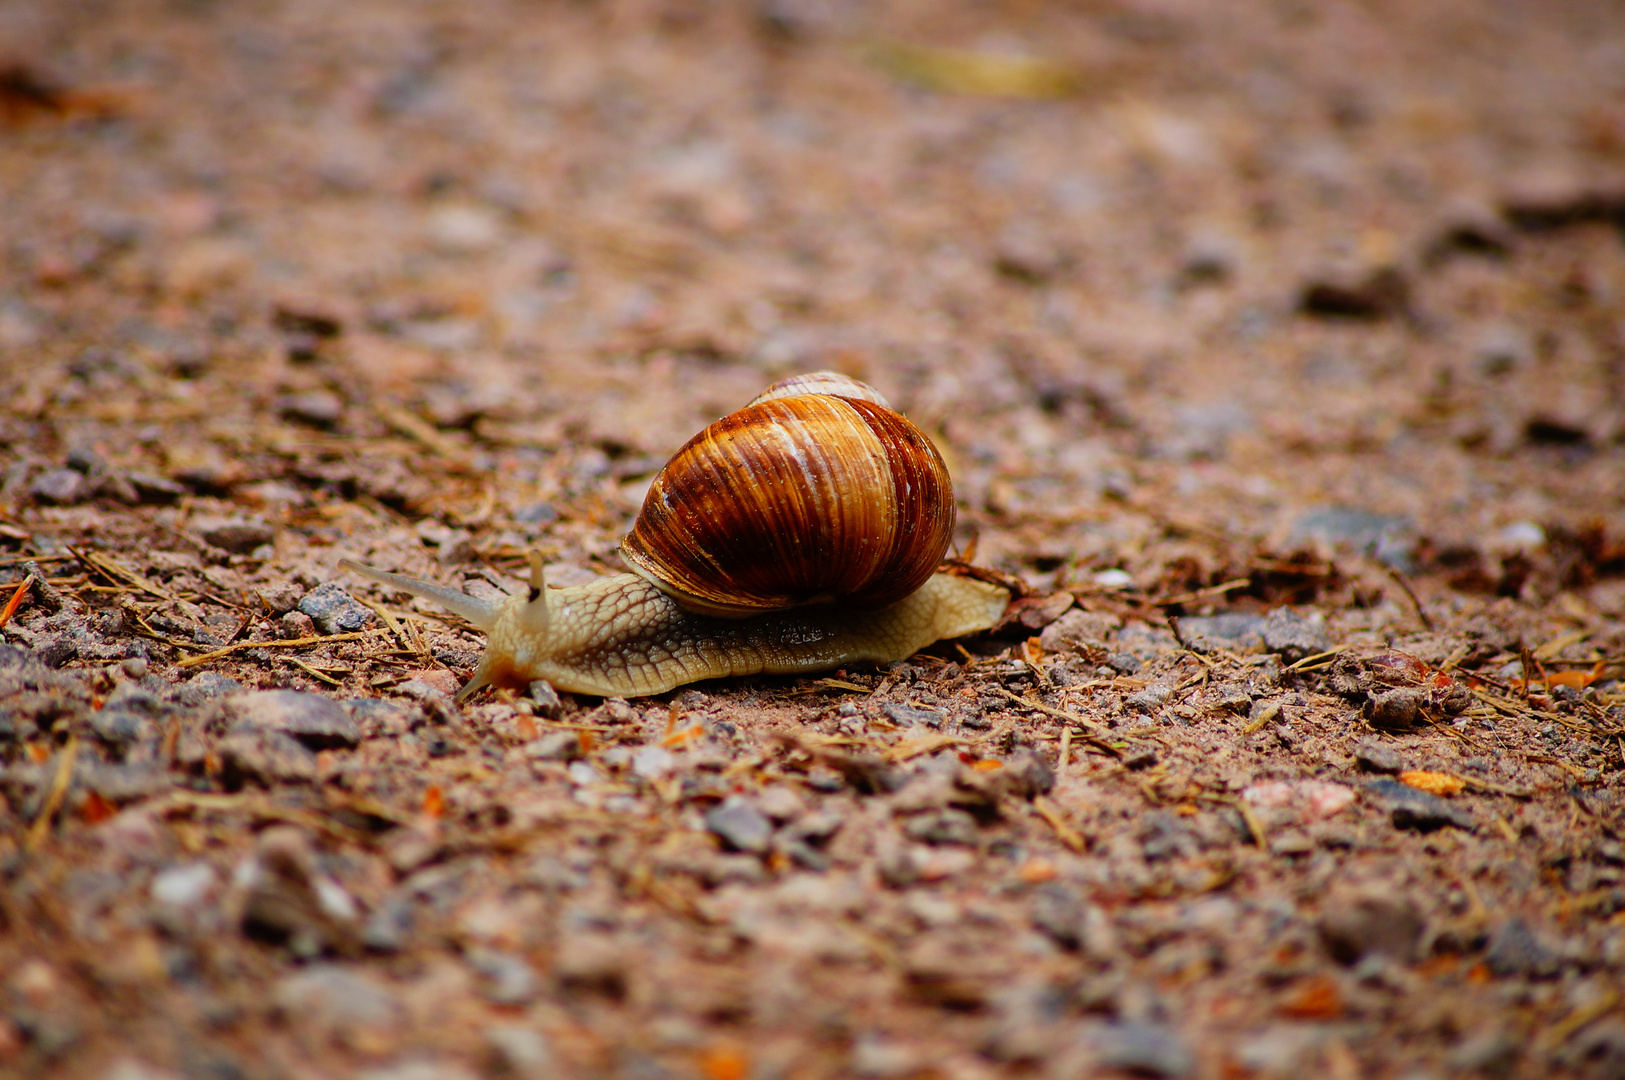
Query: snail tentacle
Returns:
{"type": "Point", "coordinates": [482, 613]}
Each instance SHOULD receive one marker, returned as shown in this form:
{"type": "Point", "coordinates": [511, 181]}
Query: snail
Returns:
{"type": "Point", "coordinates": [801, 533]}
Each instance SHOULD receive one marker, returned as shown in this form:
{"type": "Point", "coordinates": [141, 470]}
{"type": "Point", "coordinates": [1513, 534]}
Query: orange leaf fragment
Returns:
{"type": "Point", "coordinates": [724, 1063]}
{"type": "Point", "coordinates": [39, 753]}
{"type": "Point", "coordinates": [677, 738]}
{"type": "Point", "coordinates": [16, 600]}
{"type": "Point", "coordinates": [1317, 998]}
{"type": "Point", "coordinates": [988, 765]}
{"type": "Point", "coordinates": [527, 728]}
{"type": "Point", "coordinates": [1434, 783]}
{"type": "Point", "coordinates": [1037, 871]}
{"type": "Point", "coordinates": [434, 802]}
{"type": "Point", "coordinates": [97, 809]}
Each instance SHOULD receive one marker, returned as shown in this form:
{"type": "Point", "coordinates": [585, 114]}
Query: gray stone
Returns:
{"type": "Point", "coordinates": [122, 728]}
{"type": "Point", "coordinates": [907, 716]}
{"type": "Point", "coordinates": [1025, 774]}
{"type": "Point", "coordinates": [1236, 630]}
{"type": "Point", "coordinates": [555, 746]}
{"type": "Point", "coordinates": [1489, 1050]}
{"type": "Point", "coordinates": [876, 1058]}
{"type": "Point", "coordinates": [1374, 755]}
{"type": "Point", "coordinates": [131, 1069]}
{"type": "Point", "coordinates": [237, 535]}
{"type": "Point", "coordinates": [943, 827]}
{"type": "Point", "coordinates": [207, 686]}
{"type": "Point", "coordinates": [295, 625]}
{"type": "Point", "coordinates": [1516, 949]}
{"type": "Point", "coordinates": [419, 1069]}
{"type": "Point", "coordinates": [1059, 910]}
{"type": "Point", "coordinates": [1391, 540]}
{"type": "Point", "coordinates": [1358, 923]}
{"type": "Point", "coordinates": [1149, 699]}
{"type": "Point", "coordinates": [322, 408]}
{"type": "Point", "coordinates": [151, 488]}
{"type": "Point", "coordinates": [781, 803]}
{"type": "Point", "coordinates": [336, 995]}
{"type": "Point", "coordinates": [389, 927]}
{"type": "Point", "coordinates": [740, 824]}
{"type": "Point", "coordinates": [1077, 628]}
{"type": "Point", "coordinates": [317, 722]}
{"type": "Point", "coordinates": [1123, 663]}
{"type": "Point", "coordinates": [520, 1051]}
{"type": "Point", "coordinates": [592, 962]}
{"type": "Point", "coordinates": [279, 597]}
{"type": "Point", "coordinates": [335, 611]}
{"type": "Point", "coordinates": [1149, 1049]}
{"type": "Point", "coordinates": [1419, 810]}
{"type": "Point", "coordinates": [263, 757]}
{"type": "Point", "coordinates": [506, 979]}
{"type": "Point", "coordinates": [124, 783]}
{"type": "Point", "coordinates": [183, 886]}
{"type": "Point", "coordinates": [60, 487]}
{"type": "Point", "coordinates": [1395, 710]}
{"type": "Point", "coordinates": [1292, 636]}
{"type": "Point", "coordinates": [546, 699]}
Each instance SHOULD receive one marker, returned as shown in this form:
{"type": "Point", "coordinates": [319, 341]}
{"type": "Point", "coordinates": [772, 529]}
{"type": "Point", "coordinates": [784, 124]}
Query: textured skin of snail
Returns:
{"type": "Point", "coordinates": [620, 636]}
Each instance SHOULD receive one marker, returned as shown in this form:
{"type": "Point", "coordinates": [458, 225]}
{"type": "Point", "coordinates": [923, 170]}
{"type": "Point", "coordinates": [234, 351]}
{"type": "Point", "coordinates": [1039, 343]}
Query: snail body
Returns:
{"type": "Point", "coordinates": [798, 534]}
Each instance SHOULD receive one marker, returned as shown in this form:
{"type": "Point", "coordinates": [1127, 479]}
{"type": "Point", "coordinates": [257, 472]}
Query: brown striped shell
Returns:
{"type": "Point", "coordinates": [816, 492]}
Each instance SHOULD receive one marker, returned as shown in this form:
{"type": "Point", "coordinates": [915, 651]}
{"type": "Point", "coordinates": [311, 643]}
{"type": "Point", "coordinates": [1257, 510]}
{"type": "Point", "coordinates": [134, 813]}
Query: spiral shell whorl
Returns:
{"type": "Point", "coordinates": [798, 498]}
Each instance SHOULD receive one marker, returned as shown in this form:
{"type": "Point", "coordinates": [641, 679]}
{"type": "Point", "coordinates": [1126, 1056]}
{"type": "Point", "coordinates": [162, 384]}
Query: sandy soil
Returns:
{"type": "Point", "coordinates": [1279, 348]}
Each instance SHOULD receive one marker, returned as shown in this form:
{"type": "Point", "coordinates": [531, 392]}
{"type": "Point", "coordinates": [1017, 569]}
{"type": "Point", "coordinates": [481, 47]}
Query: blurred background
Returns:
{"type": "Point", "coordinates": [1242, 264]}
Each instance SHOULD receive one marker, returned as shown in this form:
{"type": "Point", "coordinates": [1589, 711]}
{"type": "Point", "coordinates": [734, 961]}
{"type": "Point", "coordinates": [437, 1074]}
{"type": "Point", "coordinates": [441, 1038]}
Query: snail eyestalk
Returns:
{"type": "Point", "coordinates": [482, 613]}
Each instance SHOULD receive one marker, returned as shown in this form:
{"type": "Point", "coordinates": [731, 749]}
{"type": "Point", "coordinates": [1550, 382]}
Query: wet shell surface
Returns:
{"type": "Point", "coordinates": [816, 492]}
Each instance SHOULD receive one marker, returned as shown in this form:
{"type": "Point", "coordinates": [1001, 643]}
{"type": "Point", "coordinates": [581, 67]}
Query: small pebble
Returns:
{"type": "Point", "coordinates": [555, 746]}
{"type": "Point", "coordinates": [1293, 636]}
{"type": "Point", "coordinates": [1372, 920]}
{"type": "Point", "coordinates": [237, 535]}
{"type": "Point", "coordinates": [507, 979]}
{"type": "Point", "coordinates": [183, 886]}
{"type": "Point", "coordinates": [520, 1051]}
{"type": "Point", "coordinates": [740, 824]}
{"type": "Point", "coordinates": [280, 597]}
{"type": "Point", "coordinates": [337, 996]}
{"type": "Point", "coordinates": [1515, 948]}
{"type": "Point", "coordinates": [1418, 810]}
{"type": "Point", "coordinates": [1374, 755]}
{"type": "Point", "coordinates": [320, 408]}
{"type": "Point", "coordinates": [60, 487]}
{"type": "Point", "coordinates": [316, 721]}
{"type": "Point", "coordinates": [1146, 1049]}
{"type": "Point", "coordinates": [206, 686]}
{"type": "Point", "coordinates": [335, 611]}
{"type": "Point", "coordinates": [907, 716]}
{"type": "Point", "coordinates": [546, 700]}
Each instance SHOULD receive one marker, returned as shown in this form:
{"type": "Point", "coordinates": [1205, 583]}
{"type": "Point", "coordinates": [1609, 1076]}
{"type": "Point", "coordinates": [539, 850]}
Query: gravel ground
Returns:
{"type": "Point", "coordinates": [1278, 349]}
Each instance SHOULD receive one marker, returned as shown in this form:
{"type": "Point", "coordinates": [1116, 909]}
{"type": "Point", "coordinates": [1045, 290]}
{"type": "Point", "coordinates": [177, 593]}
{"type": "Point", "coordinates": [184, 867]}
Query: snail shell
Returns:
{"type": "Point", "coordinates": [798, 534]}
{"type": "Point", "coordinates": [816, 492]}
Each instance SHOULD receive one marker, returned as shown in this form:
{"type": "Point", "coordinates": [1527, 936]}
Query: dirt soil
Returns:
{"type": "Point", "coordinates": [1278, 347]}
